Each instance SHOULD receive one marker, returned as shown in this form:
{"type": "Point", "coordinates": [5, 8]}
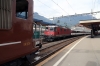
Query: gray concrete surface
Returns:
{"type": "Point", "coordinates": [86, 53]}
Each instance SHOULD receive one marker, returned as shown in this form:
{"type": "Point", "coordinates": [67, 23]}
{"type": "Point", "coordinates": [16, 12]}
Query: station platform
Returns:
{"type": "Point", "coordinates": [83, 52]}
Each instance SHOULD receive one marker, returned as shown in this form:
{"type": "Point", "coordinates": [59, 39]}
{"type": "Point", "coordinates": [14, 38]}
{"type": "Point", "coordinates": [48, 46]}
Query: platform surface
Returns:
{"type": "Point", "coordinates": [83, 52]}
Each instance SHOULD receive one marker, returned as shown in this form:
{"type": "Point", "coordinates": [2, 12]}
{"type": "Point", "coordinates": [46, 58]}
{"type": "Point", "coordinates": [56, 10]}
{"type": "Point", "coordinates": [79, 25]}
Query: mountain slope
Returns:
{"type": "Point", "coordinates": [37, 16]}
{"type": "Point", "coordinates": [71, 20]}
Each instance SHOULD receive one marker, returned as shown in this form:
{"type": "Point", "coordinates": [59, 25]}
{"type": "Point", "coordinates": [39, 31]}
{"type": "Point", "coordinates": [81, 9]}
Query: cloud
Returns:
{"type": "Point", "coordinates": [48, 9]}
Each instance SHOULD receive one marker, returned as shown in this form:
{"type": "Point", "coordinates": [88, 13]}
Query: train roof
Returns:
{"type": "Point", "coordinates": [56, 26]}
{"type": "Point", "coordinates": [52, 26]}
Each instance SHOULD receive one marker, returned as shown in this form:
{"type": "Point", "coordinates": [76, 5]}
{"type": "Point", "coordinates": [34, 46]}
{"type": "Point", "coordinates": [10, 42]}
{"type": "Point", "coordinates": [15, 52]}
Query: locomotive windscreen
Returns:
{"type": "Point", "coordinates": [21, 5]}
{"type": "Point", "coordinates": [21, 8]}
{"type": "Point", "coordinates": [46, 27]}
{"type": "Point", "coordinates": [51, 28]}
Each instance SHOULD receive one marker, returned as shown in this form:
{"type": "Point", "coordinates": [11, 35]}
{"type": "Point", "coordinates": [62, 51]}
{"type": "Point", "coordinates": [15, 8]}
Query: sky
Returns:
{"type": "Point", "coordinates": [56, 8]}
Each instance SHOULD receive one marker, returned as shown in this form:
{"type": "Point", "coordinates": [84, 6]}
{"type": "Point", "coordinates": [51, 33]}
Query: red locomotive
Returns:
{"type": "Point", "coordinates": [52, 32]}
{"type": "Point", "coordinates": [56, 32]}
{"type": "Point", "coordinates": [16, 42]}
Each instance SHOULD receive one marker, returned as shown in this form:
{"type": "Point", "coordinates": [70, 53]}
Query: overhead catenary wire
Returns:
{"type": "Point", "coordinates": [59, 6]}
{"type": "Point", "coordinates": [47, 6]}
{"type": "Point", "coordinates": [94, 5]}
{"type": "Point", "coordinates": [92, 10]}
{"type": "Point", "coordinates": [87, 13]}
{"type": "Point", "coordinates": [54, 9]}
{"type": "Point", "coordinates": [97, 3]}
{"type": "Point", "coordinates": [61, 9]}
{"type": "Point", "coordinates": [71, 6]}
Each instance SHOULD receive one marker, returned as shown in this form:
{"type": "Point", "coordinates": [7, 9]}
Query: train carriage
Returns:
{"type": "Point", "coordinates": [53, 32]}
{"type": "Point", "coordinates": [16, 41]}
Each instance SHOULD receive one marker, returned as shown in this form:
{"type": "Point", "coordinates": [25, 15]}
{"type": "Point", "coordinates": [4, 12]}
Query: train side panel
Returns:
{"type": "Point", "coordinates": [17, 41]}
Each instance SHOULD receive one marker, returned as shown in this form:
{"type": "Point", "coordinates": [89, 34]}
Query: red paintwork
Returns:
{"type": "Point", "coordinates": [58, 32]}
{"type": "Point", "coordinates": [22, 30]}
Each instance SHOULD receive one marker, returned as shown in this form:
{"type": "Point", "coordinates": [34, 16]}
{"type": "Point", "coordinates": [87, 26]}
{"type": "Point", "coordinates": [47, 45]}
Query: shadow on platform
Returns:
{"type": "Point", "coordinates": [98, 36]}
{"type": "Point", "coordinates": [91, 63]}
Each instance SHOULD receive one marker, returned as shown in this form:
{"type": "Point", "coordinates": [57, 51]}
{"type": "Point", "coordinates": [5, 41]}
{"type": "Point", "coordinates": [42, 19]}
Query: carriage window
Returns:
{"type": "Point", "coordinates": [36, 27]}
{"type": "Point", "coordinates": [36, 31]}
{"type": "Point", "coordinates": [22, 9]}
{"type": "Point", "coordinates": [5, 14]}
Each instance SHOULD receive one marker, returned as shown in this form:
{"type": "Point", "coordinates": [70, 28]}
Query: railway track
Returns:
{"type": "Point", "coordinates": [50, 48]}
{"type": "Point", "coordinates": [57, 40]}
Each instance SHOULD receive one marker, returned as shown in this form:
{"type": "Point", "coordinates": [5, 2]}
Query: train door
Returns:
{"type": "Point", "coordinates": [36, 35]}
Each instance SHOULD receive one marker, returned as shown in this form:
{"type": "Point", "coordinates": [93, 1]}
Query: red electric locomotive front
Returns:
{"type": "Point", "coordinates": [53, 32]}
{"type": "Point", "coordinates": [16, 33]}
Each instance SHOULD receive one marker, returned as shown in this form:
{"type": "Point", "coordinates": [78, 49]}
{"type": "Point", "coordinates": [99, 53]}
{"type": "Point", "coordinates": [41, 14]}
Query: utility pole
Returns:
{"type": "Point", "coordinates": [92, 13]}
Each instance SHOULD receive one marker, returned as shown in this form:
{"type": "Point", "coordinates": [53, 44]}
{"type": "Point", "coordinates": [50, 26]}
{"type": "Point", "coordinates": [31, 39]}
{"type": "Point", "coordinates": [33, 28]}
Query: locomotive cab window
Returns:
{"type": "Point", "coordinates": [46, 28]}
{"type": "Point", "coordinates": [5, 14]}
{"type": "Point", "coordinates": [22, 9]}
{"type": "Point", "coordinates": [51, 29]}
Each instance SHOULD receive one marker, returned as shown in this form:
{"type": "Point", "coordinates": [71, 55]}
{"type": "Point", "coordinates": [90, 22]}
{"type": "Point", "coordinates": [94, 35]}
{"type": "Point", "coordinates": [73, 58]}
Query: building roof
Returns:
{"type": "Point", "coordinates": [88, 23]}
{"type": "Point", "coordinates": [37, 21]}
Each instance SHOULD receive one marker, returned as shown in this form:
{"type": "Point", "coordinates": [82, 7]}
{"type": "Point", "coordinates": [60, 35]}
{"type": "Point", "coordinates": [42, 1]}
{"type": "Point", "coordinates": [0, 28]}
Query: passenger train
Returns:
{"type": "Point", "coordinates": [53, 32]}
